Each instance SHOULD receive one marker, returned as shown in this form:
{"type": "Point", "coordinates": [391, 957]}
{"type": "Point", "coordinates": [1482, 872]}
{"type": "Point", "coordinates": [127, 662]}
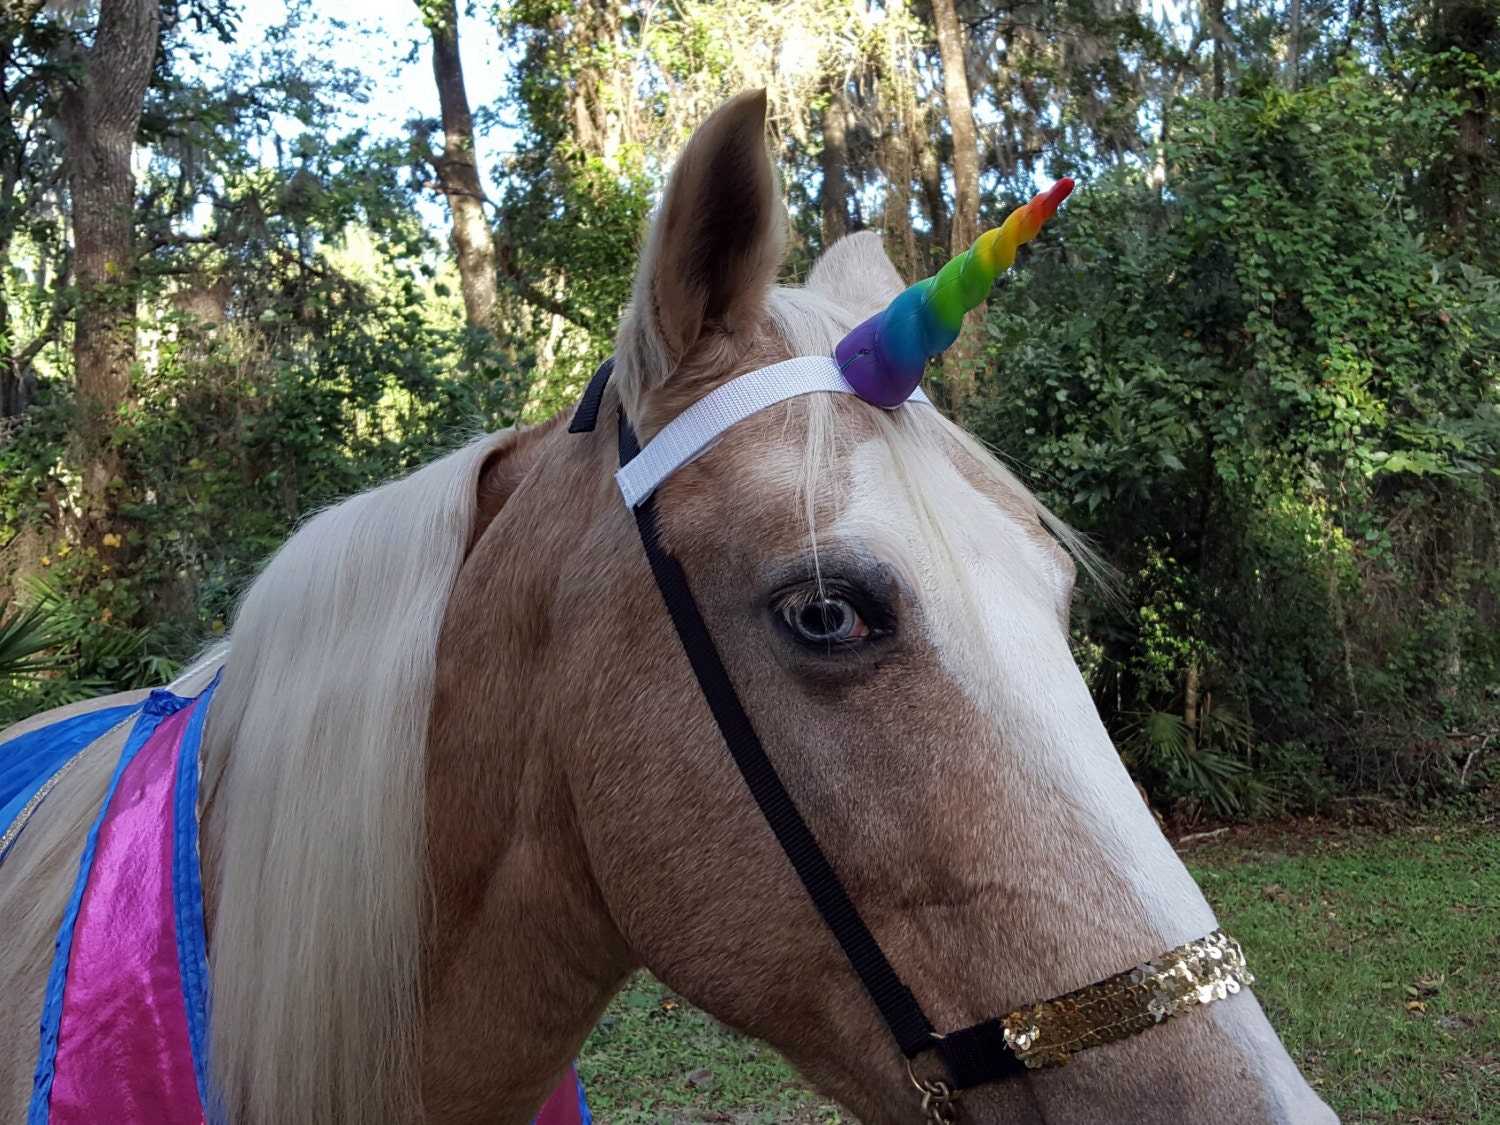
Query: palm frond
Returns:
{"type": "Point", "coordinates": [25, 634]}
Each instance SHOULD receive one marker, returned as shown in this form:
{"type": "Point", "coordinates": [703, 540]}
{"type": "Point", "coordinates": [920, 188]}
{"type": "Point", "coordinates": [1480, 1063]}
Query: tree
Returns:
{"type": "Point", "coordinates": [960, 104]}
{"type": "Point", "coordinates": [834, 190]}
{"type": "Point", "coordinates": [1275, 401]}
{"type": "Point", "coordinates": [1463, 45]}
{"type": "Point", "coordinates": [958, 363]}
{"type": "Point", "coordinates": [473, 241]}
{"type": "Point", "coordinates": [30, 183]}
{"type": "Point", "coordinates": [1213, 15]}
{"type": "Point", "coordinates": [99, 114]}
{"type": "Point", "coordinates": [1254, 356]}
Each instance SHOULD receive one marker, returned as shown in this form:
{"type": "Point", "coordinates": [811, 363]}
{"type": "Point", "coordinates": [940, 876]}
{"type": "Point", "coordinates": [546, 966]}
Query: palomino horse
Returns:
{"type": "Point", "coordinates": [460, 781]}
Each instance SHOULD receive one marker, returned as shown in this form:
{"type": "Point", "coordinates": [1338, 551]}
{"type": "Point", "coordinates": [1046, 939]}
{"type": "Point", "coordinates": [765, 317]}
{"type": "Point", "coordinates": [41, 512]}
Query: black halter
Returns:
{"type": "Point", "coordinates": [973, 1055]}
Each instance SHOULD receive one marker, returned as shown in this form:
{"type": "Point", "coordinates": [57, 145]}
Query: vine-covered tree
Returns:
{"type": "Point", "coordinates": [99, 114]}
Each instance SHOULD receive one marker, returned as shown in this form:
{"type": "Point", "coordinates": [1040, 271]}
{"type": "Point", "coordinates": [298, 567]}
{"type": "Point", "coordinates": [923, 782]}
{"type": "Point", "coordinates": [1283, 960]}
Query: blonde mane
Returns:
{"type": "Point", "coordinates": [315, 759]}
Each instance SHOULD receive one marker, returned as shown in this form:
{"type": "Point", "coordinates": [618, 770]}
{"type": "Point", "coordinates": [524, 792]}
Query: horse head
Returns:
{"type": "Point", "coordinates": [890, 607]}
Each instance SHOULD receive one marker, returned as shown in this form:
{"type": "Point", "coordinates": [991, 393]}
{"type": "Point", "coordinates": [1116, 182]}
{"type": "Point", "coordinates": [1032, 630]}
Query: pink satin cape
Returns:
{"type": "Point", "coordinates": [125, 1024]}
{"type": "Point", "coordinates": [123, 1038]}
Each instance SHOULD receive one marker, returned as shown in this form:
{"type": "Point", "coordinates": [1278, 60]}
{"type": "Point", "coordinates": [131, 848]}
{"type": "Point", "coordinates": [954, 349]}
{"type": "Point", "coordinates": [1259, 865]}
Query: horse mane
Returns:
{"type": "Point", "coordinates": [314, 765]}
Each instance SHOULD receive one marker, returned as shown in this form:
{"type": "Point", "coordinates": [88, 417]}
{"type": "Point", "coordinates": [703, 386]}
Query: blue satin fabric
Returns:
{"type": "Point", "coordinates": [28, 762]}
{"type": "Point", "coordinates": [187, 885]}
{"type": "Point", "coordinates": [158, 706]}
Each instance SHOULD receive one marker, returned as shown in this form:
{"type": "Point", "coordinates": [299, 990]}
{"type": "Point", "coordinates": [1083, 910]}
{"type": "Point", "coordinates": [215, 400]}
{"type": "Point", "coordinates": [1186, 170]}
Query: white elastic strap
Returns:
{"type": "Point", "coordinates": [692, 432]}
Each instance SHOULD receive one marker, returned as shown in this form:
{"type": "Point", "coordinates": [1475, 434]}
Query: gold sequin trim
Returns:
{"type": "Point", "coordinates": [1128, 1003]}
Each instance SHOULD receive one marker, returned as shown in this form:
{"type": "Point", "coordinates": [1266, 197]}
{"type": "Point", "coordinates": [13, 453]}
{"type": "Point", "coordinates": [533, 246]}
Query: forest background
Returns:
{"type": "Point", "coordinates": [1255, 358]}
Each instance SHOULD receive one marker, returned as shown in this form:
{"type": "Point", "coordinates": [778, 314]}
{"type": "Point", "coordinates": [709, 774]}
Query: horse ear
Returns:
{"type": "Point", "coordinates": [713, 250]}
{"type": "Point", "coordinates": [857, 274]}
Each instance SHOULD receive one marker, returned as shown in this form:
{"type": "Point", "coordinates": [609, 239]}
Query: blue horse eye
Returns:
{"type": "Point", "coordinates": [824, 620]}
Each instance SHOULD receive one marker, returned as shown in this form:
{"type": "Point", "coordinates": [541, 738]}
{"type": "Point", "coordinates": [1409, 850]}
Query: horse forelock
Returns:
{"type": "Point", "coordinates": [314, 811]}
{"type": "Point", "coordinates": [855, 279]}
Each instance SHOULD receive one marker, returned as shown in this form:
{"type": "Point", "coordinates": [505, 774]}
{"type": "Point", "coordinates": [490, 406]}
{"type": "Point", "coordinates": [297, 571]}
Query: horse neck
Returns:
{"type": "Point", "coordinates": [519, 953]}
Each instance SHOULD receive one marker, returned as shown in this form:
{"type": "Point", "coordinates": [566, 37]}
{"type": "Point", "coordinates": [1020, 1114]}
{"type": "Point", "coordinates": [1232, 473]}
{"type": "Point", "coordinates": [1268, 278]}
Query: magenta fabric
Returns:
{"type": "Point", "coordinates": [124, 1048]}
{"type": "Point", "coordinates": [123, 1038]}
{"type": "Point", "coordinates": [565, 1105]}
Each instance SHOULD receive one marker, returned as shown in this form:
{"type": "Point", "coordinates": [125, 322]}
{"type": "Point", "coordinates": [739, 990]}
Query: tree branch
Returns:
{"type": "Point", "coordinates": [534, 296]}
{"type": "Point", "coordinates": [21, 360]}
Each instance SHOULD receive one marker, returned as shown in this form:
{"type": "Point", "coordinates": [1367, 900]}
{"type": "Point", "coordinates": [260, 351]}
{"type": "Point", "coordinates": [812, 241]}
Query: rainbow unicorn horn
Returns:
{"type": "Point", "coordinates": [883, 359]}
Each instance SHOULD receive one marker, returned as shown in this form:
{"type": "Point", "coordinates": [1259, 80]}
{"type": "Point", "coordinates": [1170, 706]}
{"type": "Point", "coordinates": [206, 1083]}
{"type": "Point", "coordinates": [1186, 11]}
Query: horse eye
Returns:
{"type": "Point", "coordinates": [825, 621]}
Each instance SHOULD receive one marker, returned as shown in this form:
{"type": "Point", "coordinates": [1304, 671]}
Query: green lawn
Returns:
{"type": "Point", "coordinates": [1379, 962]}
{"type": "Point", "coordinates": [1377, 953]}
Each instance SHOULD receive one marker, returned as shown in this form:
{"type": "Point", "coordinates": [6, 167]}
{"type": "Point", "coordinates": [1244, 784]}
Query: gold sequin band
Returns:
{"type": "Point", "coordinates": [1053, 1031]}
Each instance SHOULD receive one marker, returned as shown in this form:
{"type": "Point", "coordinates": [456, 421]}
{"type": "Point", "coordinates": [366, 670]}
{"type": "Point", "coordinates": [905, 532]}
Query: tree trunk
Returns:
{"type": "Point", "coordinates": [931, 174]}
{"type": "Point", "coordinates": [1213, 11]}
{"type": "Point", "coordinates": [1294, 46]}
{"type": "Point", "coordinates": [1191, 697]}
{"type": "Point", "coordinates": [962, 359]}
{"type": "Point", "coordinates": [458, 171]}
{"type": "Point", "coordinates": [960, 105]}
{"type": "Point", "coordinates": [12, 161]}
{"type": "Point", "coordinates": [100, 113]}
{"type": "Point", "coordinates": [835, 189]}
{"type": "Point", "coordinates": [1382, 34]}
{"type": "Point", "coordinates": [1468, 176]}
{"type": "Point", "coordinates": [893, 156]}
{"type": "Point", "coordinates": [11, 405]}
{"type": "Point", "coordinates": [598, 82]}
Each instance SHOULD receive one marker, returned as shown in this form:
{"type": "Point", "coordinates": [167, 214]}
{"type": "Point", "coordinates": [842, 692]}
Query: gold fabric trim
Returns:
{"type": "Point", "coordinates": [1200, 972]}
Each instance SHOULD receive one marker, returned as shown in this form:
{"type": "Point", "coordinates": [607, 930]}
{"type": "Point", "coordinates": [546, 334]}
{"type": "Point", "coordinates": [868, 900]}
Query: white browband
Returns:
{"type": "Point", "coordinates": [693, 431]}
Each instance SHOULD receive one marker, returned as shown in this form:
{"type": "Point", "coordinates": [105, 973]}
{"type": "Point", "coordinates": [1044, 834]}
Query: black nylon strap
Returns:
{"type": "Point", "coordinates": [899, 1008]}
{"type": "Point", "coordinates": [586, 416]}
{"type": "Point", "coordinates": [972, 1056]}
{"type": "Point", "coordinates": [979, 1054]}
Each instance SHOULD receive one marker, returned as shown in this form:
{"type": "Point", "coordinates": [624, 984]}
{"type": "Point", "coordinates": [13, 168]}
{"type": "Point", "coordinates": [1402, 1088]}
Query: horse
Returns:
{"type": "Point", "coordinates": [459, 781]}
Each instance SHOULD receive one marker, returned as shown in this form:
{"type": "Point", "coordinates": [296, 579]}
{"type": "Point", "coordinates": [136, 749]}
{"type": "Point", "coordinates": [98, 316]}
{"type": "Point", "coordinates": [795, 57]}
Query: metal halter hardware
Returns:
{"type": "Point", "coordinates": [1047, 1033]}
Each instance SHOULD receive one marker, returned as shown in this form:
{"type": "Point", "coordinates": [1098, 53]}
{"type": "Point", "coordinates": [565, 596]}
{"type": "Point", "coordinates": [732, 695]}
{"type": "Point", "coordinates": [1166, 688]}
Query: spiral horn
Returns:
{"type": "Point", "coordinates": [884, 358]}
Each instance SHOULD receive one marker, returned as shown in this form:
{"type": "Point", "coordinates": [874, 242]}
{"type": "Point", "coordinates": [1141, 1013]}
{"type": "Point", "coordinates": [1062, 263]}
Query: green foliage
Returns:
{"type": "Point", "coordinates": [99, 651]}
{"type": "Point", "coordinates": [1275, 403]}
{"type": "Point", "coordinates": [1255, 357]}
{"type": "Point", "coordinates": [573, 216]}
{"type": "Point", "coordinates": [239, 429]}
{"type": "Point", "coordinates": [303, 346]}
{"type": "Point", "coordinates": [24, 662]}
{"type": "Point", "coordinates": [24, 637]}
{"type": "Point", "coordinates": [62, 649]}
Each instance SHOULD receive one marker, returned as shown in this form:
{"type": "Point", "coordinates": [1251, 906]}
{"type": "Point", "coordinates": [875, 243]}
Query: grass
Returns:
{"type": "Point", "coordinates": [656, 1058]}
{"type": "Point", "coordinates": [1379, 962]}
{"type": "Point", "coordinates": [1377, 953]}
